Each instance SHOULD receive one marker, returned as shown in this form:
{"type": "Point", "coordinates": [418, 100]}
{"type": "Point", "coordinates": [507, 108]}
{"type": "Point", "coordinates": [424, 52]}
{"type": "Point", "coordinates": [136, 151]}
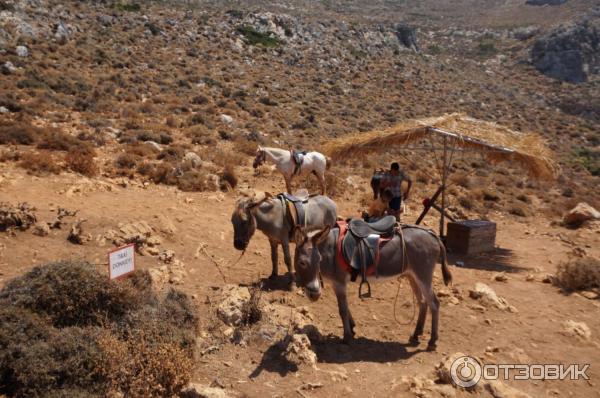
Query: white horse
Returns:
{"type": "Point", "coordinates": [313, 162]}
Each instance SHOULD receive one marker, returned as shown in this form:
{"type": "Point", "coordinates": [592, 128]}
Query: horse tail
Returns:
{"type": "Point", "coordinates": [328, 162]}
{"type": "Point", "coordinates": [445, 270]}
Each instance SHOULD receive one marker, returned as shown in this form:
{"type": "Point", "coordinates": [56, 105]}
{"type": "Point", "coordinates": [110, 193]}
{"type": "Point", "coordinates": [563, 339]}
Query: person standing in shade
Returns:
{"type": "Point", "coordinates": [393, 181]}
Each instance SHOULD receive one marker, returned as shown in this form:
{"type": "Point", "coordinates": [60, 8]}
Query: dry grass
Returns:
{"type": "Point", "coordinates": [496, 142]}
{"type": "Point", "coordinates": [40, 163]}
{"type": "Point", "coordinates": [579, 273]}
{"type": "Point", "coordinates": [66, 330]}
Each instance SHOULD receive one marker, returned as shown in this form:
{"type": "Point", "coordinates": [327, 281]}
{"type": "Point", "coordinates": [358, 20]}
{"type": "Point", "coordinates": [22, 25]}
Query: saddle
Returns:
{"type": "Point", "coordinates": [298, 158]}
{"type": "Point", "coordinates": [359, 244]}
{"type": "Point", "coordinates": [295, 208]}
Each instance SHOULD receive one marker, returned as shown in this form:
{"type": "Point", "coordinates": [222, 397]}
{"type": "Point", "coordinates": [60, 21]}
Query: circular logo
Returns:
{"type": "Point", "coordinates": [465, 371]}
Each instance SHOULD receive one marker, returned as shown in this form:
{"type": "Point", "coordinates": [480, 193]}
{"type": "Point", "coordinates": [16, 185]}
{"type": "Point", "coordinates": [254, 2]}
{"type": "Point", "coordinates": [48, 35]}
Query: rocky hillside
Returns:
{"type": "Point", "coordinates": [143, 85]}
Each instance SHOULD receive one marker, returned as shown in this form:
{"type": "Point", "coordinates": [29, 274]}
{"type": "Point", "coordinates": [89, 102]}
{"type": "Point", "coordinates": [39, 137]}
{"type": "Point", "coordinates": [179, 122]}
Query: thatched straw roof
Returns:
{"type": "Point", "coordinates": [496, 142]}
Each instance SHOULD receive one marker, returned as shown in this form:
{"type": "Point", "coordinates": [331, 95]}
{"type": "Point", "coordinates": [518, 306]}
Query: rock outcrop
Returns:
{"type": "Point", "coordinates": [569, 53]}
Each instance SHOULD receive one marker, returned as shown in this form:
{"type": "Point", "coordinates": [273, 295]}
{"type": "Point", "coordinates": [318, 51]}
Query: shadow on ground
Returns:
{"type": "Point", "coordinates": [331, 349]}
{"type": "Point", "coordinates": [499, 260]}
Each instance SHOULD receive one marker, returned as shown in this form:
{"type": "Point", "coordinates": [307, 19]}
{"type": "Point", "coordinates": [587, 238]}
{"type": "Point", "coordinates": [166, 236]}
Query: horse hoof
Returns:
{"type": "Point", "coordinates": [348, 340]}
{"type": "Point", "coordinates": [431, 346]}
{"type": "Point", "coordinates": [272, 277]}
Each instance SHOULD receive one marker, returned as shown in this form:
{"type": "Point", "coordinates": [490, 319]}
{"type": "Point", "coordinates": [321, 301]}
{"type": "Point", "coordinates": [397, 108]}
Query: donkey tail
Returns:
{"type": "Point", "coordinates": [445, 270]}
{"type": "Point", "coordinates": [328, 162]}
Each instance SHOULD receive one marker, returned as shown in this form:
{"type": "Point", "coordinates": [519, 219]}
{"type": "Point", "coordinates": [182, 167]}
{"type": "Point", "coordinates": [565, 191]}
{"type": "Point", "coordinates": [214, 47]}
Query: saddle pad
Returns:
{"type": "Point", "coordinates": [352, 248]}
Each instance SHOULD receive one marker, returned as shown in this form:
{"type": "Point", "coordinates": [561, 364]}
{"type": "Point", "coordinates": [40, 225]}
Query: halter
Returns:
{"type": "Point", "coordinates": [261, 156]}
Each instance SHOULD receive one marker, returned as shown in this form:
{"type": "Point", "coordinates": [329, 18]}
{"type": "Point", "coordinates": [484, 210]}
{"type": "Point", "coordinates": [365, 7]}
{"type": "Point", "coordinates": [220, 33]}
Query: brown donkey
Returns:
{"type": "Point", "coordinates": [316, 255]}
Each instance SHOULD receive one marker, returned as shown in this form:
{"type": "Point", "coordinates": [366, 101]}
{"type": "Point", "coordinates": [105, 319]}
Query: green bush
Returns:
{"type": "Point", "coordinates": [131, 7]}
{"type": "Point", "coordinates": [589, 159]}
{"type": "Point", "coordinates": [487, 48]}
{"type": "Point", "coordinates": [256, 38]}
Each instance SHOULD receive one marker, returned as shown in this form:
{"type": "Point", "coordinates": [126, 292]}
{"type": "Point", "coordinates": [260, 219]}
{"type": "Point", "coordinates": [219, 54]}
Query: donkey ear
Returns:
{"type": "Point", "coordinates": [321, 236]}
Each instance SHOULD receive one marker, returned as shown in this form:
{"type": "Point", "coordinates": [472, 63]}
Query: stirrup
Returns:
{"type": "Point", "coordinates": [368, 293]}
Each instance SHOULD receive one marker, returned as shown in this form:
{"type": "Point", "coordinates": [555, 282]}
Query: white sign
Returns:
{"type": "Point", "coordinates": [121, 261]}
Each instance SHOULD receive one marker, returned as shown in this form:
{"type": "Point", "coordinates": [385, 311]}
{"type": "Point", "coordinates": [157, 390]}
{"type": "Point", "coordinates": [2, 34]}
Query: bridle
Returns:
{"type": "Point", "coordinates": [261, 156]}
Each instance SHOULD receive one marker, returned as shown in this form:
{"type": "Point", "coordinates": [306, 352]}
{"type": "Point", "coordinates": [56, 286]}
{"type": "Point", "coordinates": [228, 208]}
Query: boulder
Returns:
{"type": "Point", "coordinates": [226, 119]}
{"type": "Point", "coordinates": [194, 390]}
{"type": "Point", "coordinates": [569, 53]}
{"type": "Point", "coordinates": [577, 329]}
{"type": "Point", "coordinates": [500, 390]}
{"type": "Point", "coordinates": [580, 214]}
{"type": "Point", "coordinates": [488, 297]}
{"type": "Point", "coordinates": [41, 229]}
{"type": "Point", "coordinates": [233, 299]}
{"type": "Point", "coordinates": [192, 159]}
{"type": "Point", "coordinates": [443, 369]}
{"type": "Point", "coordinates": [407, 36]}
{"type": "Point", "coordinates": [22, 51]}
{"type": "Point", "coordinates": [8, 68]}
{"type": "Point", "coordinates": [299, 350]}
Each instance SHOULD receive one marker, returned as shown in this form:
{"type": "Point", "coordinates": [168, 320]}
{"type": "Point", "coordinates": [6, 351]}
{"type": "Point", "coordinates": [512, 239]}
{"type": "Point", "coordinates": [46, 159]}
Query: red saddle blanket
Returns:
{"type": "Point", "coordinates": [344, 262]}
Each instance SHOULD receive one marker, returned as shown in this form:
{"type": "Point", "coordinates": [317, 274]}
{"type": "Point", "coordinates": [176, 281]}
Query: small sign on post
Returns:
{"type": "Point", "coordinates": [121, 261]}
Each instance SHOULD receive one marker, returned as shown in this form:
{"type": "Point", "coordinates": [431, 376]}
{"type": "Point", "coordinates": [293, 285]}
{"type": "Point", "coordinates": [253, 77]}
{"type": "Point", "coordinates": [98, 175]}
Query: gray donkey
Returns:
{"type": "Point", "coordinates": [269, 216]}
{"type": "Point", "coordinates": [316, 254]}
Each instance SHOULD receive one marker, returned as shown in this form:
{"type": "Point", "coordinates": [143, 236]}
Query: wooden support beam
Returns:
{"type": "Point", "coordinates": [428, 206]}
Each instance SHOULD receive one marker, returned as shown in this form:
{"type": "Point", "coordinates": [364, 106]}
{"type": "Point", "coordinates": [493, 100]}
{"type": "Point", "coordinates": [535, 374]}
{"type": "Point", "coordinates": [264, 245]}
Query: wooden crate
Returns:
{"type": "Point", "coordinates": [471, 236]}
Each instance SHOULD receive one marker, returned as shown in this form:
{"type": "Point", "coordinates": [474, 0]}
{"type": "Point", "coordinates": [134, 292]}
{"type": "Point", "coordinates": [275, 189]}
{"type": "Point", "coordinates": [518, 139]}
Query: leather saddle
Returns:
{"type": "Point", "coordinates": [298, 158]}
{"type": "Point", "coordinates": [360, 246]}
{"type": "Point", "coordinates": [295, 208]}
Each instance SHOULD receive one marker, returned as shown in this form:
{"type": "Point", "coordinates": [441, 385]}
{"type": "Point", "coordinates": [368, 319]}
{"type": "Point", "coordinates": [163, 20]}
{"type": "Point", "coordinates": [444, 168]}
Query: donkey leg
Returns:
{"type": "Point", "coordinates": [274, 259]}
{"type": "Point", "coordinates": [434, 305]}
{"type": "Point", "coordinates": [321, 178]}
{"type": "Point", "coordinates": [288, 184]}
{"type": "Point", "coordinates": [414, 339]}
{"type": "Point", "coordinates": [288, 262]}
{"type": "Point", "coordinates": [342, 299]}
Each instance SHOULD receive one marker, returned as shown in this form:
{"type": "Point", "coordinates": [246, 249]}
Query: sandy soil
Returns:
{"type": "Point", "coordinates": [375, 364]}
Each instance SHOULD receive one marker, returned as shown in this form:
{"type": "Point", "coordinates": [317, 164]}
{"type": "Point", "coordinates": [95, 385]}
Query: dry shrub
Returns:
{"type": "Point", "coordinates": [81, 160]}
{"type": "Point", "coordinates": [21, 216]}
{"type": "Point", "coordinates": [223, 157]}
{"type": "Point", "coordinates": [462, 180]}
{"type": "Point", "coordinates": [519, 209]}
{"type": "Point", "coordinates": [66, 330]}
{"type": "Point", "coordinates": [58, 141]}
{"type": "Point", "coordinates": [228, 178]}
{"type": "Point", "coordinates": [251, 312]}
{"type": "Point", "coordinates": [40, 163]}
{"type": "Point", "coordinates": [201, 135]}
{"type": "Point", "coordinates": [127, 161]}
{"type": "Point", "coordinates": [18, 133]}
{"type": "Point", "coordinates": [163, 173]}
{"type": "Point", "coordinates": [334, 185]}
{"type": "Point", "coordinates": [193, 180]}
{"type": "Point", "coordinates": [245, 146]}
{"type": "Point", "coordinates": [579, 273]}
{"type": "Point", "coordinates": [466, 202]}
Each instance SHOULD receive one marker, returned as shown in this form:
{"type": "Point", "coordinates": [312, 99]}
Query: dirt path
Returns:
{"type": "Point", "coordinates": [377, 362]}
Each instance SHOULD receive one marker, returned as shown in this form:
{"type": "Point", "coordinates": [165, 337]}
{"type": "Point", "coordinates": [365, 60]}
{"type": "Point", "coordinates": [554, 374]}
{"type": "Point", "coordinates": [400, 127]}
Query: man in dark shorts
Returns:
{"type": "Point", "coordinates": [393, 181]}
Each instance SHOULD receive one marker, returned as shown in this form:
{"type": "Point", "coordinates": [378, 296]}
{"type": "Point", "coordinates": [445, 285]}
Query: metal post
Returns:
{"type": "Point", "coordinates": [444, 167]}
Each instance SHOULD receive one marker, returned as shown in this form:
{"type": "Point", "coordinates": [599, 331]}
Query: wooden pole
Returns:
{"type": "Point", "coordinates": [444, 167]}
